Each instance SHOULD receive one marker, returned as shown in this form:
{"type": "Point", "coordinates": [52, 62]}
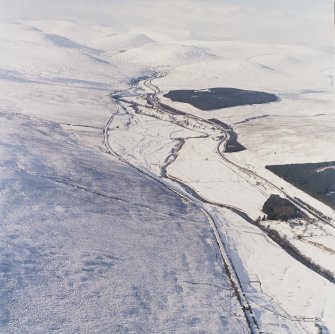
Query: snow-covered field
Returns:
{"type": "Point", "coordinates": [120, 215]}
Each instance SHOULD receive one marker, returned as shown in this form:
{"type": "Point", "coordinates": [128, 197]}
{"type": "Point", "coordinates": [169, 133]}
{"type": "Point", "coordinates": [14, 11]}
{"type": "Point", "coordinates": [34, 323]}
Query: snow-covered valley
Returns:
{"type": "Point", "coordinates": [123, 211]}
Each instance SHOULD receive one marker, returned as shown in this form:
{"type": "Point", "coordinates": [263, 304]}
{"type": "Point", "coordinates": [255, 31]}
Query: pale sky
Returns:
{"type": "Point", "coordinates": [40, 7]}
{"type": "Point", "coordinates": [284, 21]}
{"type": "Point", "coordinates": [287, 6]}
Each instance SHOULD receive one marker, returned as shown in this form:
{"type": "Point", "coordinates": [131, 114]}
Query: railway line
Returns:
{"type": "Point", "coordinates": [234, 166]}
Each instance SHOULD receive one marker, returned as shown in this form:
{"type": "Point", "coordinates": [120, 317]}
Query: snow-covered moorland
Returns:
{"type": "Point", "coordinates": [122, 211]}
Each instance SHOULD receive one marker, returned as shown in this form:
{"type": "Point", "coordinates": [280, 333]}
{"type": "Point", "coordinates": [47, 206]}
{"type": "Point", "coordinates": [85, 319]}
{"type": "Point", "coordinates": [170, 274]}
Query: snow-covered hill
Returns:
{"type": "Point", "coordinates": [122, 42]}
{"type": "Point", "coordinates": [89, 244]}
{"type": "Point", "coordinates": [153, 55]}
